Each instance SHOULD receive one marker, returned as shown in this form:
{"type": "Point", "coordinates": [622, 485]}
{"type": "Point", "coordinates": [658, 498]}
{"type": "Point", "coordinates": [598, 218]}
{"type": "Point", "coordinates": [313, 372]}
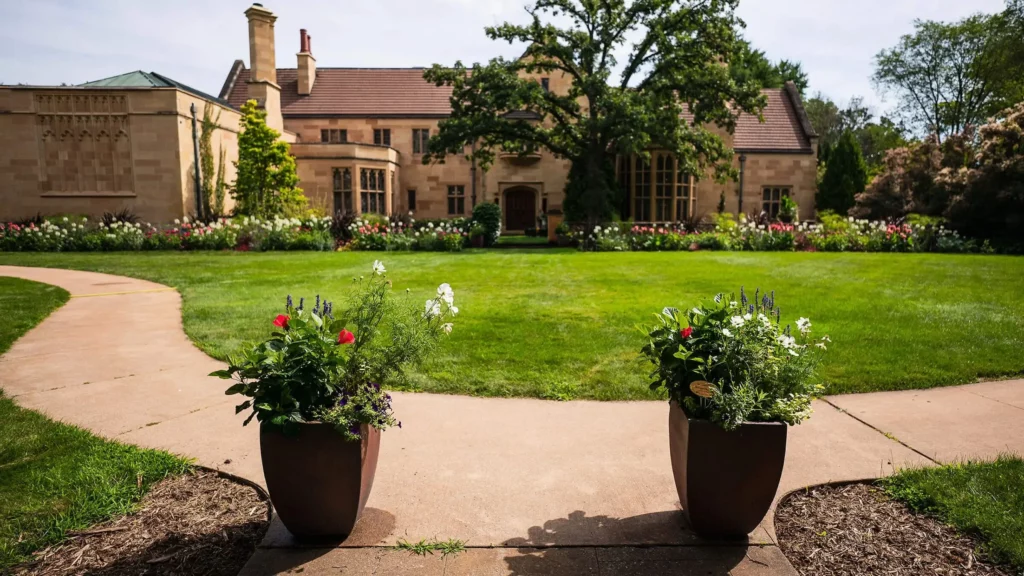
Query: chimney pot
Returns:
{"type": "Point", "coordinates": [303, 41]}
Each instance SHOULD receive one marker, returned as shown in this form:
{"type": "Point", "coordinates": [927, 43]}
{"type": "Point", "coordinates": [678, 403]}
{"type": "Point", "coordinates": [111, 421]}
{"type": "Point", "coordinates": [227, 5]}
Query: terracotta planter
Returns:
{"type": "Point", "coordinates": [319, 481]}
{"type": "Point", "coordinates": [726, 480]}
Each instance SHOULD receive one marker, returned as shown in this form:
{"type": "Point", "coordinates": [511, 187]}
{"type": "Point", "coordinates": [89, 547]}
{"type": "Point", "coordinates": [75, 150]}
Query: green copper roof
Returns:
{"type": "Point", "coordinates": [136, 79]}
{"type": "Point", "coordinates": [140, 79]}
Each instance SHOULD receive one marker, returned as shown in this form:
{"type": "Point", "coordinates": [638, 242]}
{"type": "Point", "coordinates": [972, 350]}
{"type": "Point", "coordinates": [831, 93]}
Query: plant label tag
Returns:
{"type": "Point", "coordinates": [701, 388]}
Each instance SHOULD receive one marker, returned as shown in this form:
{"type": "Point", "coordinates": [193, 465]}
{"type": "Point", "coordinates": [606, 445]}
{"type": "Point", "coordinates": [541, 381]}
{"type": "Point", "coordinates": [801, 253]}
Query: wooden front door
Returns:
{"type": "Point", "coordinates": [520, 208]}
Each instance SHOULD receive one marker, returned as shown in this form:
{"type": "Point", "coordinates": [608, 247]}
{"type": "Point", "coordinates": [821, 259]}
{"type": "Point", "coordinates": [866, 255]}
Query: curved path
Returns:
{"type": "Point", "coordinates": [533, 487]}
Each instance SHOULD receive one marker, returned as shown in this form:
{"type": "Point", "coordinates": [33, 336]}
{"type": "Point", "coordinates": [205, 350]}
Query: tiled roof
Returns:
{"type": "Point", "coordinates": [356, 92]}
{"type": "Point", "coordinates": [782, 128]}
{"type": "Point", "coordinates": [384, 92]}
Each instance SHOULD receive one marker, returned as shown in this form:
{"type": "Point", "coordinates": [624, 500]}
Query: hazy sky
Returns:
{"type": "Point", "coordinates": [48, 42]}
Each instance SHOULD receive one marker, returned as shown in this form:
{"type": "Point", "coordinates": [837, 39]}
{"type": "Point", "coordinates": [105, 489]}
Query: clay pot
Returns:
{"type": "Point", "coordinates": [726, 480]}
{"type": "Point", "coordinates": [318, 481]}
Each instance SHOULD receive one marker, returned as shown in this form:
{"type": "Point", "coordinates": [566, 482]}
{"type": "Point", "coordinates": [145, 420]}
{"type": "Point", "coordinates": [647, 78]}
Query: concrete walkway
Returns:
{"type": "Point", "coordinates": [533, 487]}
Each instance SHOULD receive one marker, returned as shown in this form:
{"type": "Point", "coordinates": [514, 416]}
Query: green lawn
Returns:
{"type": "Point", "coordinates": [523, 240]}
{"type": "Point", "coordinates": [984, 499]}
{"type": "Point", "coordinates": [560, 324]}
{"type": "Point", "coordinates": [55, 478]}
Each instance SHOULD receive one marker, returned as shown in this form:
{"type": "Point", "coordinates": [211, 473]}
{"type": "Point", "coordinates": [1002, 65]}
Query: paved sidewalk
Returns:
{"type": "Point", "coordinates": [533, 487]}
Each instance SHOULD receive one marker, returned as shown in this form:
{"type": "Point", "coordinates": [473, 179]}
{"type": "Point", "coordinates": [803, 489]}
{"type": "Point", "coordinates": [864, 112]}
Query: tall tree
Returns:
{"type": "Point", "coordinates": [751, 65]}
{"type": "Point", "coordinates": [266, 184]}
{"type": "Point", "coordinates": [846, 175]}
{"type": "Point", "coordinates": [673, 88]}
{"type": "Point", "coordinates": [948, 76]}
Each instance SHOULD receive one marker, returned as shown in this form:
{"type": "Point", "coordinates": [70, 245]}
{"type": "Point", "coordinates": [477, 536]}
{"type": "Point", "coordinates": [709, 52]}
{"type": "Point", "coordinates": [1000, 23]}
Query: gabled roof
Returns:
{"type": "Point", "coordinates": [140, 79]}
{"type": "Point", "coordinates": [402, 92]}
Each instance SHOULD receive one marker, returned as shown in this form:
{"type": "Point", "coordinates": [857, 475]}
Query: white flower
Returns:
{"type": "Point", "coordinates": [432, 308]}
{"type": "Point", "coordinates": [804, 325]}
{"type": "Point", "coordinates": [446, 293]}
{"type": "Point", "coordinates": [793, 352]}
{"type": "Point", "coordinates": [747, 316]}
{"type": "Point", "coordinates": [185, 219]}
{"type": "Point", "coordinates": [727, 333]}
{"type": "Point", "coordinates": [787, 341]}
{"type": "Point", "coordinates": [737, 321]}
{"type": "Point", "coordinates": [826, 339]}
{"type": "Point", "coordinates": [764, 320]}
{"type": "Point", "coordinates": [176, 221]}
{"type": "Point", "coordinates": [378, 267]}
{"type": "Point", "coordinates": [821, 345]}
{"type": "Point", "coordinates": [733, 304]}
{"type": "Point", "coordinates": [447, 328]}
{"type": "Point", "coordinates": [454, 310]}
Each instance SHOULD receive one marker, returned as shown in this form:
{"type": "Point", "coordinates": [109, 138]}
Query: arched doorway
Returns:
{"type": "Point", "coordinates": [520, 208]}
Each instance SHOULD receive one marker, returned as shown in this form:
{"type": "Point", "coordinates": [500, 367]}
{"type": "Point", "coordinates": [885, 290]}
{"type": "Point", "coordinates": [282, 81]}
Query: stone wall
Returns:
{"type": "Point", "coordinates": [87, 151]}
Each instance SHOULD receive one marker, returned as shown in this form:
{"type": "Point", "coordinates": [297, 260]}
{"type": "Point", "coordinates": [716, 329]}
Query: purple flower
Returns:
{"type": "Point", "coordinates": [343, 401]}
{"type": "Point", "coordinates": [354, 429]}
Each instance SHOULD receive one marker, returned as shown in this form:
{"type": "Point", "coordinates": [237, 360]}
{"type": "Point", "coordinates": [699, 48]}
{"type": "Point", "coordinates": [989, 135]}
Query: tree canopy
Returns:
{"type": "Point", "coordinates": [846, 175]}
{"type": "Point", "coordinates": [670, 90]}
{"type": "Point", "coordinates": [266, 184]}
{"type": "Point", "coordinates": [752, 65]}
{"type": "Point", "coordinates": [948, 76]}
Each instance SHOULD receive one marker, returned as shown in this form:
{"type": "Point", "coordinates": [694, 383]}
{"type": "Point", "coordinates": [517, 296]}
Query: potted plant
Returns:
{"type": "Point", "coordinates": [477, 236]}
{"type": "Point", "coordinates": [788, 210]}
{"type": "Point", "coordinates": [563, 234]}
{"type": "Point", "coordinates": [315, 387]}
{"type": "Point", "coordinates": [736, 379]}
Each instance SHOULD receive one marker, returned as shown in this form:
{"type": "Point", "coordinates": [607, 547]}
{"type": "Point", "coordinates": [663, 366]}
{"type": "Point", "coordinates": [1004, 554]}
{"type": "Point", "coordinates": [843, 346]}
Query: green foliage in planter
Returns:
{"type": "Point", "coordinates": [488, 215]}
{"type": "Point", "coordinates": [321, 367]}
{"type": "Point", "coordinates": [756, 369]}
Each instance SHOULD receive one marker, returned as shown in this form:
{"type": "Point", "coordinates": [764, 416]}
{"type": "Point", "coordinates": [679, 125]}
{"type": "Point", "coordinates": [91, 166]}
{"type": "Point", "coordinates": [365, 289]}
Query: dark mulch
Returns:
{"type": "Point", "coordinates": [195, 524]}
{"type": "Point", "coordinates": [857, 529]}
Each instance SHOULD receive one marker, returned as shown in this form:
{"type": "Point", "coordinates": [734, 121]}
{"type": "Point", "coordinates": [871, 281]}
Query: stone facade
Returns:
{"type": "Point", "coordinates": [357, 135]}
{"type": "Point", "coordinates": [86, 151]}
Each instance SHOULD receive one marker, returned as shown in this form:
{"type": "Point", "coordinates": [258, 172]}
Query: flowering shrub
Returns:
{"type": "Point", "coordinates": [318, 366]}
{"type": "Point", "coordinates": [831, 234]}
{"type": "Point", "coordinates": [731, 361]}
{"type": "Point", "coordinates": [245, 233]}
{"type": "Point", "coordinates": [395, 235]}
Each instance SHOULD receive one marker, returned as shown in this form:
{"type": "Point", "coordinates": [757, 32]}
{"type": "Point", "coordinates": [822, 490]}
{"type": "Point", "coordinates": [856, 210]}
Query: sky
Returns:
{"type": "Point", "coordinates": [49, 42]}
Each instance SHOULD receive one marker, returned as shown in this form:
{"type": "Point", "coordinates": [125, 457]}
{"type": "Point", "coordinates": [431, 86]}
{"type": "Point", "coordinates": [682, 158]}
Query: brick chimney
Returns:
{"type": "Point", "coordinates": [263, 85]}
{"type": "Point", "coordinates": [307, 64]}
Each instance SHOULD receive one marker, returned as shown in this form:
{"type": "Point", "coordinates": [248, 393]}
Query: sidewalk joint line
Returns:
{"type": "Point", "coordinates": [100, 294]}
{"type": "Point", "coordinates": [992, 399]}
{"type": "Point", "coordinates": [887, 435]}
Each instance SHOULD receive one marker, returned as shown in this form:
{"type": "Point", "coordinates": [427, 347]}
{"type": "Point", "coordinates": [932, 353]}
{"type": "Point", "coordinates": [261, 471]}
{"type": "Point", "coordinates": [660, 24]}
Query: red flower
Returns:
{"type": "Point", "coordinates": [685, 333]}
{"type": "Point", "coordinates": [281, 321]}
{"type": "Point", "coordinates": [346, 337]}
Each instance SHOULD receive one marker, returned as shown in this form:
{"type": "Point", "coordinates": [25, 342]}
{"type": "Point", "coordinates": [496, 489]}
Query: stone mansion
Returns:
{"type": "Point", "coordinates": [357, 134]}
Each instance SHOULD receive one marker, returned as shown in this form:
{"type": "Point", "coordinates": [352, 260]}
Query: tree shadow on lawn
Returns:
{"type": "Point", "coordinates": [648, 544]}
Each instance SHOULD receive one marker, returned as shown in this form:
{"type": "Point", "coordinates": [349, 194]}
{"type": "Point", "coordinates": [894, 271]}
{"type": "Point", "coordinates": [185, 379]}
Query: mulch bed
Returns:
{"type": "Point", "coordinates": [857, 529]}
{"type": "Point", "coordinates": [195, 524]}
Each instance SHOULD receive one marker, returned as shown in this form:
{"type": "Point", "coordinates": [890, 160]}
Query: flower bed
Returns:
{"type": "Point", "coordinates": [244, 233]}
{"type": "Point", "coordinates": [830, 235]}
{"type": "Point", "coordinates": [408, 234]}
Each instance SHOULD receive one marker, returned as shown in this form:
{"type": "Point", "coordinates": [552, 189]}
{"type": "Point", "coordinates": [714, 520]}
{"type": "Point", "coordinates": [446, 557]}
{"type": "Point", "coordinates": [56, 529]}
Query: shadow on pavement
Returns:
{"type": "Point", "coordinates": [657, 543]}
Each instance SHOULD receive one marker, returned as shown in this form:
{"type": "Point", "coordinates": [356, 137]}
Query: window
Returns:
{"type": "Point", "coordinates": [419, 140]}
{"type": "Point", "coordinates": [544, 206]}
{"type": "Point", "coordinates": [343, 190]}
{"type": "Point", "coordinates": [684, 195]}
{"type": "Point", "coordinates": [545, 83]}
{"type": "Point", "coordinates": [642, 191]}
{"type": "Point", "coordinates": [771, 199]}
{"type": "Point", "coordinates": [371, 186]}
{"type": "Point", "coordinates": [412, 200]}
{"type": "Point", "coordinates": [334, 136]}
{"type": "Point", "coordinates": [664, 176]}
{"type": "Point", "coordinates": [456, 200]}
{"type": "Point", "coordinates": [382, 136]}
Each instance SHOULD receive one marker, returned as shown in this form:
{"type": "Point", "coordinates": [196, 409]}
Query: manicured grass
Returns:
{"type": "Point", "coordinates": [24, 304]}
{"type": "Point", "coordinates": [56, 478]}
{"type": "Point", "coordinates": [984, 499]}
{"type": "Point", "coordinates": [560, 324]}
{"type": "Point", "coordinates": [523, 240]}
